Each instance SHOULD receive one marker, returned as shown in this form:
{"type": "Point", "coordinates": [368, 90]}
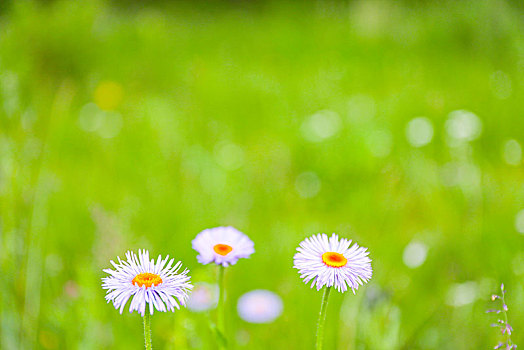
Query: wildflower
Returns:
{"type": "Point", "coordinates": [503, 325]}
{"type": "Point", "coordinates": [259, 306]}
{"type": "Point", "coordinates": [493, 310]}
{"type": "Point", "coordinates": [330, 262]}
{"type": "Point", "coordinates": [507, 329]}
{"type": "Point", "coordinates": [203, 297]}
{"type": "Point", "coordinates": [222, 245]}
{"type": "Point", "coordinates": [158, 284]}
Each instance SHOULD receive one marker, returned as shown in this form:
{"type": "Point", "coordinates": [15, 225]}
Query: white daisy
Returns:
{"type": "Point", "coordinates": [259, 306]}
{"type": "Point", "coordinates": [330, 262]}
{"type": "Point", "coordinates": [157, 284]}
{"type": "Point", "coordinates": [204, 297]}
{"type": "Point", "coordinates": [222, 245]}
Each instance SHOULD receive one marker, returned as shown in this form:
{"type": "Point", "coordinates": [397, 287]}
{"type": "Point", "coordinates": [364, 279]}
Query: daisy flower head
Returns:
{"type": "Point", "coordinates": [332, 262]}
{"type": "Point", "coordinates": [159, 284]}
{"type": "Point", "coordinates": [222, 245]}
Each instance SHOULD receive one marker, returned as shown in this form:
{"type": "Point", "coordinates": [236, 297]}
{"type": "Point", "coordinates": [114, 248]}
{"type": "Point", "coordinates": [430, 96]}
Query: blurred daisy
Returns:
{"type": "Point", "coordinates": [330, 262]}
{"type": "Point", "coordinates": [259, 306]}
{"type": "Point", "coordinates": [203, 297]}
{"type": "Point", "coordinates": [159, 284]}
{"type": "Point", "coordinates": [222, 245]}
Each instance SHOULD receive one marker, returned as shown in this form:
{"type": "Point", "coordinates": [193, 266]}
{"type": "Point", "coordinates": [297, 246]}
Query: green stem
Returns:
{"type": "Point", "coordinates": [147, 330]}
{"type": "Point", "coordinates": [220, 306]}
{"type": "Point", "coordinates": [322, 318]}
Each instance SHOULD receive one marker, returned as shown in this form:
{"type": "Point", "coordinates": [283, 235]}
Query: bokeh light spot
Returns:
{"type": "Point", "coordinates": [90, 117]}
{"type": "Point", "coordinates": [307, 184]}
{"type": "Point", "coordinates": [512, 152]}
{"type": "Point", "coordinates": [415, 254]}
{"type": "Point", "coordinates": [229, 155]}
{"type": "Point", "coordinates": [500, 84]}
{"type": "Point", "coordinates": [361, 108]}
{"type": "Point", "coordinates": [460, 294]}
{"type": "Point", "coordinates": [379, 143]}
{"type": "Point", "coordinates": [463, 125]}
{"type": "Point", "coordinates": [108, 95]}
{"type": "Point", "coordinates": [419, 131]}
{"type": "Point", "coordinates": [111, 125]}
{"type": "Point", "coordinates": [321, 125]}
{"type": "Point", "coordinates": [519, 221]}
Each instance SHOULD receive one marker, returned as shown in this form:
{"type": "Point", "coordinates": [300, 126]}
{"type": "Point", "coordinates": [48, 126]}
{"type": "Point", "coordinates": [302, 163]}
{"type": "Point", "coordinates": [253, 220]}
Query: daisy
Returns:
{"type": "Point", "coordinates": [158, 284]}
{"type": "Point", "coordinates": [330, 262]}
{"type": "Point", "coordinates": [222, 245]}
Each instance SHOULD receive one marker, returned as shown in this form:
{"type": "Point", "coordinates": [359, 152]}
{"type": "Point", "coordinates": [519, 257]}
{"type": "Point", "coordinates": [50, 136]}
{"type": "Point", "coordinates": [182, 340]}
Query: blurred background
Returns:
{"type": "Point", "coordinates": [398, 124]}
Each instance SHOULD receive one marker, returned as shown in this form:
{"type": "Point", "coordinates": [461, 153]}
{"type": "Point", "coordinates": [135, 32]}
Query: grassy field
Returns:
{"type": "Point", "coordinates": [137, 126]}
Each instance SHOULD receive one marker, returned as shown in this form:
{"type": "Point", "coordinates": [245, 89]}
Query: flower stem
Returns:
{"type": "Point", "coordinates": [147, 330]}
{"type": "Point", "coordinates": [322, 318]}
{"type": "Point", "coordinates": [220, 306]}
{"type": "Point", "coordinates": [508, 334]}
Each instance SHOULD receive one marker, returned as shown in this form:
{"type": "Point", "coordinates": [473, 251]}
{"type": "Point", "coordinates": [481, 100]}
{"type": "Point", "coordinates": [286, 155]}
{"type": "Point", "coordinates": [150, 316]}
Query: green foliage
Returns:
{"type": "Point", "coordinates": [126, 127]}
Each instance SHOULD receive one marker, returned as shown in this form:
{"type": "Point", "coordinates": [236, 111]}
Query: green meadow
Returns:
{"type": "Point", "coordinates": [397, 124]}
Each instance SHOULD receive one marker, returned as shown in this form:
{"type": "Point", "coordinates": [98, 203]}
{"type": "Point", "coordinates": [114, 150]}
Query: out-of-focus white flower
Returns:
{"type": "Point", "coordinates": [259, 306]}
{"type": "Point", "coordinates": [203, 297]}
{"type": "Point", "coordinates": [222, 245]}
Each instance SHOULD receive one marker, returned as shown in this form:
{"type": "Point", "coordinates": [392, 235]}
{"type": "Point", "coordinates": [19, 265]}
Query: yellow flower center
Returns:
{"type": "Point", "coordinates": [334, 259]}
{"type": "Point", "coordinates": [222, 249]}
{"type": "Point", "coordinates": [147, 279]}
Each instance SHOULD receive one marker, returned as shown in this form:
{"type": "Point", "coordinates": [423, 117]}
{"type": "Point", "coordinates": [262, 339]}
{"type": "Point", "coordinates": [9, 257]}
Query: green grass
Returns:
{"type": "Point", "coordinates": [160, 167]}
